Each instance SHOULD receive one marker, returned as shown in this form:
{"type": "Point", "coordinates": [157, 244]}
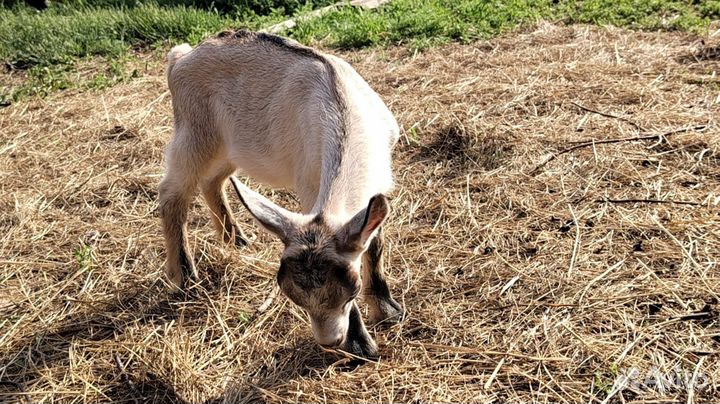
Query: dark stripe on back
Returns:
{"type": "Point", "coordinates": [334, 90]}
{"type": "Point", "coordinates": [308, 52]}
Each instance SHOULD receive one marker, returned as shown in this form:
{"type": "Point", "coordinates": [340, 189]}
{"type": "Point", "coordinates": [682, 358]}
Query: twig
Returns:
{"type": "Point", "coordinates": [126, 379]}
{"type": "Point", "coordinates": [509, 284]}
{"type": "Point", "coordinates": [691, 386]}
{"type": "Point", "coordinates": [266, 304]}
{"type": "Point", "coordinates": [608, 115]}
{"type": "Point", "coordinates": [473, 351]}
{"type": "Point", "coordinates": [494, 374]}
{"type": "Point", "coordinates": [291, 23]}
{"type": "Point", "coordinates": [647, 201]}
{"type": "Point", "coordinates": [576, 244]}
{"type": "Point", "coordinates": [553, 156]}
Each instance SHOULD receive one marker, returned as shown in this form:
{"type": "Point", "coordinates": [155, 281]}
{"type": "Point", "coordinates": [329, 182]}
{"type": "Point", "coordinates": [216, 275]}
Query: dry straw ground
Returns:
{"type": "Point", "coordinates": [522, 281]}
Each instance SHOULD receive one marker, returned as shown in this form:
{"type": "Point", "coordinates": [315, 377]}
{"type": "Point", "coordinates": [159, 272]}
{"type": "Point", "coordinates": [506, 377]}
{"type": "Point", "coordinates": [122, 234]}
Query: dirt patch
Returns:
{"type": "Point", "coordinates": [521, 283]}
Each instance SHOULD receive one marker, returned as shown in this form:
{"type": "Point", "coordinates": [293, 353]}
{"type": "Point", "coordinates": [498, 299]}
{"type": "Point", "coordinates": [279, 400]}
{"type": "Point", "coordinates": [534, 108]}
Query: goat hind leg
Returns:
{"type": "Point", "coordinates": [213, 190]}
{"type": "Point", "coordinates": [175, 194]}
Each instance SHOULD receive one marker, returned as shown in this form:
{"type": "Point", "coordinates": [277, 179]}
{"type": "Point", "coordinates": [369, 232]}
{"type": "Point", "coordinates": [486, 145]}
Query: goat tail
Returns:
{"type": "Point", "coordinates": [175, 54]}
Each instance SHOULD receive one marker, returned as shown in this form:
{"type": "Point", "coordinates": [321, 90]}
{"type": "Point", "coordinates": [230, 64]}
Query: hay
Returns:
{"type": "Point", "coordinates": [521, 283]}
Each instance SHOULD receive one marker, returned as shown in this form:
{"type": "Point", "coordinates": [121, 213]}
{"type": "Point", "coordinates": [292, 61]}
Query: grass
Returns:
{"type": "Point", "coordinates": [421, 24]}
{"type": "Point", "coordinates": [49, 44]}
{"type": "Point", "coordinates": [64, 33]}
{"type": "Point", "coordinates": [61, 36]}
{"type": "Point", "coordinates": [77, 29]}
{"type": "Point", "coordinates": [430, 22]}
{"type": "Point", "coordinates": [521, 285]}
{"type": "Point", "coordinates": [83, 256]}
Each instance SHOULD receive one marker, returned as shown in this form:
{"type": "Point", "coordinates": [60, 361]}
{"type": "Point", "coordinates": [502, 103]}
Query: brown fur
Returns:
{"type": "Point", "coordinates": [312, 274]}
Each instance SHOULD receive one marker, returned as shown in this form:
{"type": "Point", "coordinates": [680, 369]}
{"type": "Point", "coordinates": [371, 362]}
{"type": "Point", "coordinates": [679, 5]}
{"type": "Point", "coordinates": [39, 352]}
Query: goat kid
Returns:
{"type": "Point", "coordinates": [292, 117]}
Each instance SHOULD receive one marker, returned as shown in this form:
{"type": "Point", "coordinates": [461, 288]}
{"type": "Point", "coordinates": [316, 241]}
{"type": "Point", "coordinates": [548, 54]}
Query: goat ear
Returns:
{"type": "Point", "coordinates": [273, 218]}
{"type": "Point", "coordinates": [355, 234]}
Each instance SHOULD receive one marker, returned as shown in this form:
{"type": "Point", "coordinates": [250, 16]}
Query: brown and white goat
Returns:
{"type": "Point", "coordinates": [292, 117]}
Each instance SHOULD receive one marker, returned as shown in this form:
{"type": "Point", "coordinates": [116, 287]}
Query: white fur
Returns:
{"type": "Point", "coordinates": [270, 113]}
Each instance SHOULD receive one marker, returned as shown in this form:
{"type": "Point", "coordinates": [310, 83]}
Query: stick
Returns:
{"type": "Point", "coordinates": [576, 244]}
{"type": "Point", "coordinates": [691, 387]}
{"type": "Point", "coordinates": [553, 156]}
{"type": "Point", "coordinates": [608, 115]}
{"type": "Point", "coordinates": [126, 379]}
{"type": "Point", "coordinates": [473, 351]}
{"type": "Point", "coordinates": [291, 23]}
{"type": "Point", "coordinates": [647, 201]}
{"type": "Point", "coordinates": [494, 374]}
{"type": "Point", "coordinates": [266, 304]}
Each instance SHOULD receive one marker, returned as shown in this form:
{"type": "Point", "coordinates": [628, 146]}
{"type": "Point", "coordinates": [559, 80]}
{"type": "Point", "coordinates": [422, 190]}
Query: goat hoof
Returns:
{"type": "Point", "coordinates": [188, 274]}
{"type": "Point", "coordinates": [358, 341]}
{"type": "Point", "coordinates": [240, 241]}
{"type": "Point", "coordinates": [363, 348]}
{"type": "Point", "coordinates": [174, 281]}
{"type": "Point", "coordinates": [235, 237]}
{"type": "Point", "coordinates": [387, 312]}
{"type": "Point", "coordinates": [177, 277]}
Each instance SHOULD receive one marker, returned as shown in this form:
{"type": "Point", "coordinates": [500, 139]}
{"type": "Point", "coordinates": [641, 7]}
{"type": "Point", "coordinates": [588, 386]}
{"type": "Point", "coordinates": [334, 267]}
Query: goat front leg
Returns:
{"type": "Point", "coordinates": [382, 307]}
{"type": "Point", "coordinates": [358, 341]}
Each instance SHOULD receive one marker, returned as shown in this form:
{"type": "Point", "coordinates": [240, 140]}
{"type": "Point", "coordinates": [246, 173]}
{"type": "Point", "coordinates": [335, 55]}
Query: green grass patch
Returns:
{"type": "Point", "coordinates": [48, 43]}
{"type": "Point", "coordinates": [426, 22]}
{"type": "Point", "coordinates": [29, 38]}
{"type": "Point", "coordinates": [84, 257]}
{"type": "Point", "coordinates": [237, 7]}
